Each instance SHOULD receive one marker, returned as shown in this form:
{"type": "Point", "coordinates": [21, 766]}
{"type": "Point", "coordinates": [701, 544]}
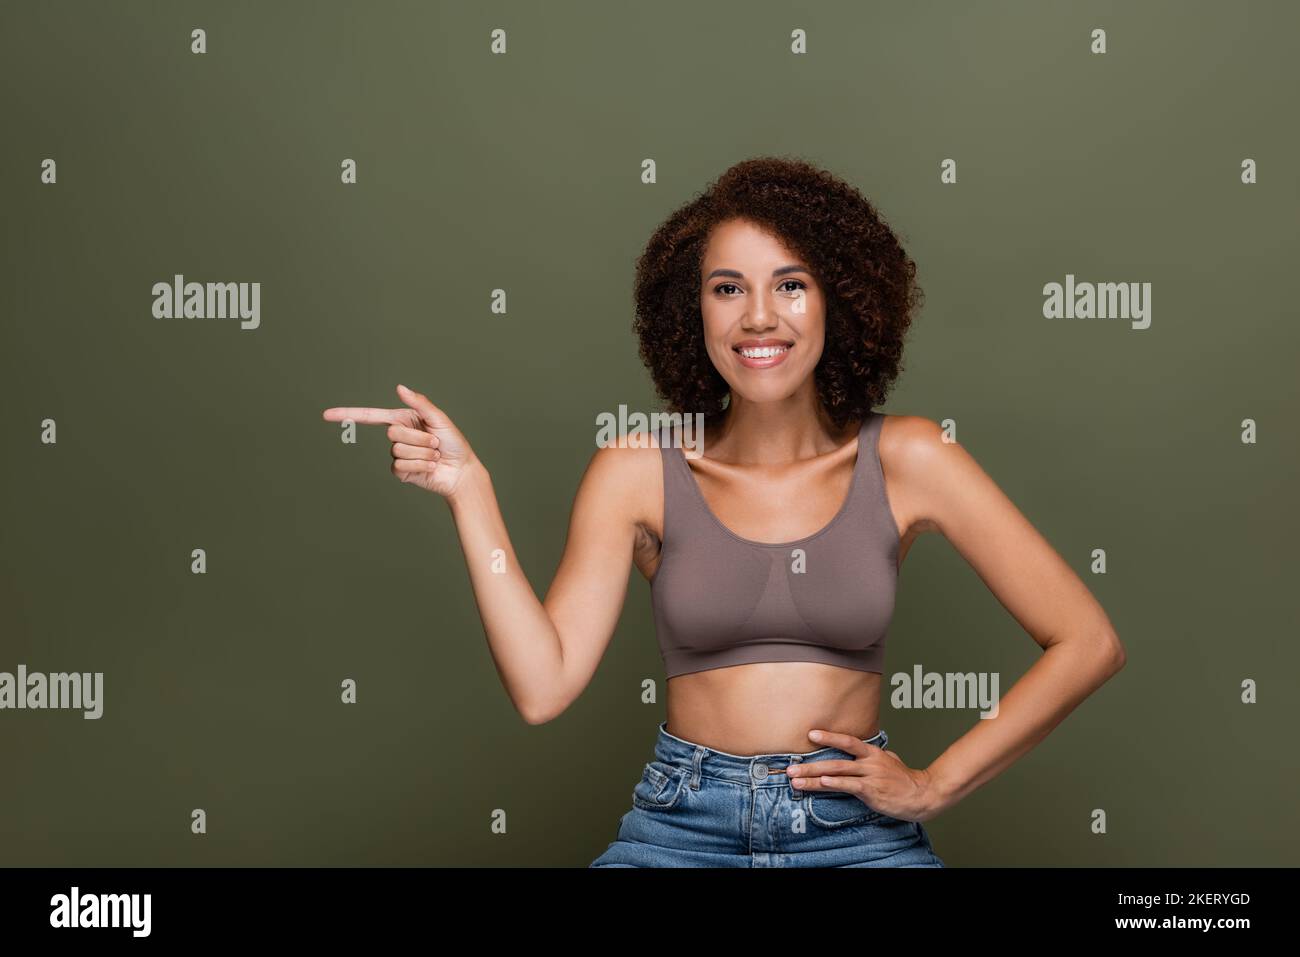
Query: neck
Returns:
{"type": "Point", "coordinates": [776, 433]}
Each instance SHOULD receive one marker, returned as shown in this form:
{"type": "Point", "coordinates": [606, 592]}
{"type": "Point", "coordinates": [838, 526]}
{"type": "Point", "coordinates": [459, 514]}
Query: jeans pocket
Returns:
{"type": "Point", "coordinates": [660, 787]}
{"type": "Point", "coordinates": [839, 809]}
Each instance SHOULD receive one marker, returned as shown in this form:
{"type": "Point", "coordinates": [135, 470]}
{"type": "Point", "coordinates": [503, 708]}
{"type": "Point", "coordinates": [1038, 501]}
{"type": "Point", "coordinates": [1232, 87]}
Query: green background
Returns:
{"type": "Point", "coordinates": [522, 172]}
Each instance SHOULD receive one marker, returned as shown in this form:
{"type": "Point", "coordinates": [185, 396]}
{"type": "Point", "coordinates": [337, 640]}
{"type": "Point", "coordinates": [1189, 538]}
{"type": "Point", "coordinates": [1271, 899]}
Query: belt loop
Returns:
{"type": "Point", "coordinates": [696, 759]}
{"type": "Point", "coordinates": [885, 743]}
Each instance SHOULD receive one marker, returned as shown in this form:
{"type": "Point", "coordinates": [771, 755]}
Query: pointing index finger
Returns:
{"type": "Point", "coordinates": [368, 416]}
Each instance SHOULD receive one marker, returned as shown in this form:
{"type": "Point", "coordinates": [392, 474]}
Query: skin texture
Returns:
{"type": "Point", "coordinates": [775, 468]}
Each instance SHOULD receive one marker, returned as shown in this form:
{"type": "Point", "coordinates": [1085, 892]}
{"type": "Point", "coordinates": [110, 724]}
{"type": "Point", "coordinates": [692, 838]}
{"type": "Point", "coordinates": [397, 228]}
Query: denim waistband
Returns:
{"type": "Point", "coordinates": [759, 770]}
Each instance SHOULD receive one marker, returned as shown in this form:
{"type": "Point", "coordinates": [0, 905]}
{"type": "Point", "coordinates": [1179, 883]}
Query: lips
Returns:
{"type": "Point", "coordinates": [762, 353]}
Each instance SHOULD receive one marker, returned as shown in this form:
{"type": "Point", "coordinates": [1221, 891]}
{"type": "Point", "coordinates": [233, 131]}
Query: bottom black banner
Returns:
{"type": "Point", "coordinates": [102, 906]}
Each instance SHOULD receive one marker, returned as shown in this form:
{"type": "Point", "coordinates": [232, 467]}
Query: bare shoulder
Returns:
{"type": "Point", "coordinates": [920, 461]}
{"type": "Point", "coordinates": [629, 474]}
{"type": "Point", "coordinates": [908, 442]}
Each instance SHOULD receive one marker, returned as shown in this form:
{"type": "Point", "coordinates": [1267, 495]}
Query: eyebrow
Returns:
{"type": "Point", "coordinates": [734, 274]}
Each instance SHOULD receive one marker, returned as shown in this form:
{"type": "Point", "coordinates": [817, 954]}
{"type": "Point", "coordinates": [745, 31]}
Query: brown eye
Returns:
{"type": "Point", "coordinates": [725, 285]}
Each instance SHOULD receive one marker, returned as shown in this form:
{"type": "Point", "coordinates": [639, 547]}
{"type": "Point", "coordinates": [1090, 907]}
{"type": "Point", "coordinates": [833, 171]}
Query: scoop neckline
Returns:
{"type": "Point", "coordinates": [844, 506]}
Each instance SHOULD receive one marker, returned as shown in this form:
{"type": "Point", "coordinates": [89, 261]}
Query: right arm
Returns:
{"type": "Point", "coordinates": [545, 652]}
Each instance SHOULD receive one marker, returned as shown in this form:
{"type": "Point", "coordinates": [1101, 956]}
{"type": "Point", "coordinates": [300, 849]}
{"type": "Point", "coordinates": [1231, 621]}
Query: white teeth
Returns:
{"type": "Point", "coordinates": [766, 352]}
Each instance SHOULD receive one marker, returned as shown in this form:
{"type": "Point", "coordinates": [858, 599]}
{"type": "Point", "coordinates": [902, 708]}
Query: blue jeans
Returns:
{"type": "Point", "coordinates": [697, 807]}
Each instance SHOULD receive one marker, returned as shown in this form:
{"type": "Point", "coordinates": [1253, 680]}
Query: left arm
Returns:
{"type": "Point", "coordinates": [940, 487]}
{"type": "Point", "coordinates": [1081, 650]}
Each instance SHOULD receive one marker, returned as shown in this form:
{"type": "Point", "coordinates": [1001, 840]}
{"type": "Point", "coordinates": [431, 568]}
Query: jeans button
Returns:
{"type": "Point", "coordinates": [760, 771]}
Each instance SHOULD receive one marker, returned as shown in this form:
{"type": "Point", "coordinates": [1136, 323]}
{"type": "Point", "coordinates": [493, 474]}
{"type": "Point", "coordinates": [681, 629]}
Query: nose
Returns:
{"type": "Point", "coordinates": [760, 316]}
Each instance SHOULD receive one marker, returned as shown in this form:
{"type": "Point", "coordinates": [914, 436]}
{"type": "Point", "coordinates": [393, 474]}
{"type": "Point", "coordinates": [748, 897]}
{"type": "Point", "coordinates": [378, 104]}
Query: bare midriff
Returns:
{"type": "Point", "coordinates": [769, 707]}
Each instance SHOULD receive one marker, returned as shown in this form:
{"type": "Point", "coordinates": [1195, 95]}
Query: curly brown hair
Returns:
{"type": "Point", "coordinates": [868, 281]}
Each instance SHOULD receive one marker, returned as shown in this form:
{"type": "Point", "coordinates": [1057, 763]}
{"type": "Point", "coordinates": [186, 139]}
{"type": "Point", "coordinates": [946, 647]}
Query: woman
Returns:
{"type": "Point", "coordinates": [775, 305]}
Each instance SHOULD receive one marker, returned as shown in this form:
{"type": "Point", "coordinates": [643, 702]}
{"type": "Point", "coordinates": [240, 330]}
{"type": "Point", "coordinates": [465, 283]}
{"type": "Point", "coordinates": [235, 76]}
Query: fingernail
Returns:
{"type": "Point", "coordinates": [814, 734]}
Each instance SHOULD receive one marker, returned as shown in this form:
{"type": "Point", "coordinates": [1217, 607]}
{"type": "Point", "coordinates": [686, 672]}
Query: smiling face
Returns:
{"type": "Point", "coordinates": [764, 313]}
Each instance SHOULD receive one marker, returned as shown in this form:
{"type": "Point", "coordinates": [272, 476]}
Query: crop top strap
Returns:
{"type": "Point", "coordinates": [678, 494]}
